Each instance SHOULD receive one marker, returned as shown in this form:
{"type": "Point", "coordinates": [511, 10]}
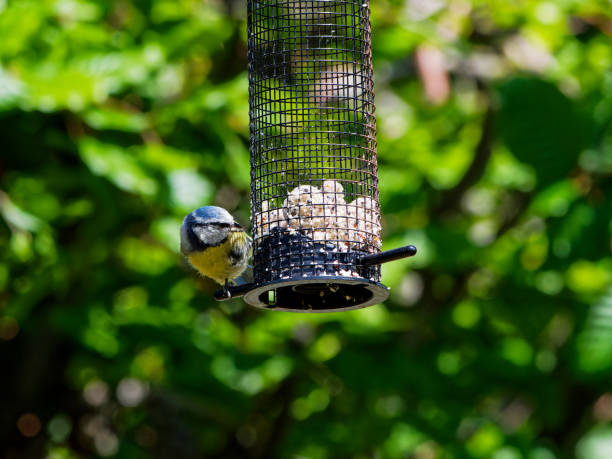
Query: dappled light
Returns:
{"type": "Point", "coordinates": [494, 141]}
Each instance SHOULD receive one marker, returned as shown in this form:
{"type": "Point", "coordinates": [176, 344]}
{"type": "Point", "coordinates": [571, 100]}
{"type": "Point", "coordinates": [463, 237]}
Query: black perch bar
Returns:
{"type": "Point", "coordinates": [367, 260]}
{"type": "Point", "coordinates": [388, 255]}
{"type": "Point", "coordinates": [233, 291]}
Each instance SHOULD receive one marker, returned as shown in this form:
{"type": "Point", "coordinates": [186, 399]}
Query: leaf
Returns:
{"type": "Point", "coordinates": [594, 343]}
{"type": "Point", "coordinates": [541, 127]}
{"type": "Point", "coordinates": [117, 165]}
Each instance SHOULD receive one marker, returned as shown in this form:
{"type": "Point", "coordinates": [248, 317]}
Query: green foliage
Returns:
{"type": "Point", "coordinates": [540, 127]}
{"type": "Point", "coordinates": [117, 117]}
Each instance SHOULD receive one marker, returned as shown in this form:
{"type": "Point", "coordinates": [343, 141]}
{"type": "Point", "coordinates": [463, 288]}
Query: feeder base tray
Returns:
{"type": "Point", "coordinates": [317, 294]}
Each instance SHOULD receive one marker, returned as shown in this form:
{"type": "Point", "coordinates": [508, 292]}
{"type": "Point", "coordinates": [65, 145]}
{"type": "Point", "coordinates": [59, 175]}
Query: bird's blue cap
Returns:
{"type": "Point", "coordinates": [208, 214]}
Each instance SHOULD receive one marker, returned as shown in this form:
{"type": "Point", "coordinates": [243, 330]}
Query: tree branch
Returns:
{"type": "Point", "coordinates": [451, 198]}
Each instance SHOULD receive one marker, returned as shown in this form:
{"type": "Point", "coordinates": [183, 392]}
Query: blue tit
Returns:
{"type": "Point", "coordinates": [214, 244]}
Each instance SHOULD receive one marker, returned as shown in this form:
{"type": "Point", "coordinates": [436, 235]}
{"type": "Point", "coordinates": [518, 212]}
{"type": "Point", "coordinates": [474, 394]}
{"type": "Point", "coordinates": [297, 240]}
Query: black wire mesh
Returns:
{"type": "Point", "coordinates": [314, 189]}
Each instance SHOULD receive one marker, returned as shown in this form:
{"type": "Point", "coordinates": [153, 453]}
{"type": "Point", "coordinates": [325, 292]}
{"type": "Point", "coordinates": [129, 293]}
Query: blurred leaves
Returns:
{"type": "Point", "coordinates": [539, 125]}
{"type": "Point", "coordinates": [120, 116]}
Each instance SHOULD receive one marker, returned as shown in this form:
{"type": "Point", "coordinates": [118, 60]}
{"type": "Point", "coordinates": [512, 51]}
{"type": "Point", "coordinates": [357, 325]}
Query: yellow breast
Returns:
{"type": "Point", "coordinates": [214, 262]}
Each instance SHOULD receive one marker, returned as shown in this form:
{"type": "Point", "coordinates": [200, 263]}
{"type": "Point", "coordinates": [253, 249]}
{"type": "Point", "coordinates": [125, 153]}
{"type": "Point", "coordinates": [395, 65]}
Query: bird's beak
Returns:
{"type": "Point", "coordinates": [236, 227]}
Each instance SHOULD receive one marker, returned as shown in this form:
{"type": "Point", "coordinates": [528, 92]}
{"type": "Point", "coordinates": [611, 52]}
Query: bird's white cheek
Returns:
{"type": "Point", "coordinates": [211, 236]}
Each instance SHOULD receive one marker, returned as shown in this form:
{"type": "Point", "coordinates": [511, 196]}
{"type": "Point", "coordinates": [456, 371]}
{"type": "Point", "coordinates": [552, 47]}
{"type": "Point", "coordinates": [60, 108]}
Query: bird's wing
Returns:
{"type": "Point", "coordinates": [245, 278]}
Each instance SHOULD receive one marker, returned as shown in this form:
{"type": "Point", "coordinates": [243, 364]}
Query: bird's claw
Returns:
{"type": "Point", "coordinates": [226, 293]}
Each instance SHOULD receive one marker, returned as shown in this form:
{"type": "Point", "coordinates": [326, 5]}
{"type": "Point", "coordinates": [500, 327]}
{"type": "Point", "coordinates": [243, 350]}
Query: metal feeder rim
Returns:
{"type": "Point", "coordinates": [367, 260]}
{"type": "Point", "coordinates": [379, 292]}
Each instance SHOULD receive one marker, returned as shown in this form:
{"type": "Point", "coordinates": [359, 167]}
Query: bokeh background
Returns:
{"type": "Point", "coordinates": [117, 117]}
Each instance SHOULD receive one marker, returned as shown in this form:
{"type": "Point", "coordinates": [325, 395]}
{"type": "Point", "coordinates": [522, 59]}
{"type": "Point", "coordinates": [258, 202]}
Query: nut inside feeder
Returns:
{"type": "Point", "coordinates": [314, 189]}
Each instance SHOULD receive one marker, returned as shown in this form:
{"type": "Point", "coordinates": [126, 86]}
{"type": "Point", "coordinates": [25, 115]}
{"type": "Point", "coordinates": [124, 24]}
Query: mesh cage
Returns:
{"type": "Point", "coordinates": [314, 190]}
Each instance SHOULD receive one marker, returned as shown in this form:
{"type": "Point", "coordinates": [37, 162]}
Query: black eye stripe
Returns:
{"type": "Point", "coordinates": [224, 225]}
{"type": "Point", "coordinates": [217, 224]}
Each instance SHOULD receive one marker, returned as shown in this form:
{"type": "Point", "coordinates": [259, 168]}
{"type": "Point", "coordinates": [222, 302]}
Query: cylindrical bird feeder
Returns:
{"type": "Point", "coordinates": [314, 189]}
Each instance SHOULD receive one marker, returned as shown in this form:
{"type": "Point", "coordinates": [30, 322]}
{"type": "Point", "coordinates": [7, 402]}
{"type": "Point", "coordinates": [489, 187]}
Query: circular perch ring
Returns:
{"type": "Point", "coordinates": [317, 294]}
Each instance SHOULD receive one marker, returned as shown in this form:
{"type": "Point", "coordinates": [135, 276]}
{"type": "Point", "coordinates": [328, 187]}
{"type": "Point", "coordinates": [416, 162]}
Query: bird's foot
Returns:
{"type": "Point", "coordinates": [226, 292]}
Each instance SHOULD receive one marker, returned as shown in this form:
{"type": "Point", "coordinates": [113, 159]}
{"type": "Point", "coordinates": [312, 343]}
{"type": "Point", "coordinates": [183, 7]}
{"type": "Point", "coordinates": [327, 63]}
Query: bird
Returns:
{"type": "Point", "coordinates": [215, 245]}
